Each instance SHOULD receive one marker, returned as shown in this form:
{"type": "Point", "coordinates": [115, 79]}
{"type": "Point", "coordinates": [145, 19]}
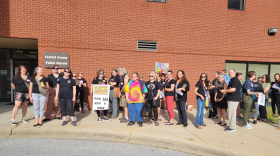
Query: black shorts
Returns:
{"type": "Point", "coordinates": [23, 97]}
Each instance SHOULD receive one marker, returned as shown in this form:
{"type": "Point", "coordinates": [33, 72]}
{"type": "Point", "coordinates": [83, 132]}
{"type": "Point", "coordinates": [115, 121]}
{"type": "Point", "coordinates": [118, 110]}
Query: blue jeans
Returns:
{"type": "Point", "coordinates": [200, 112]}
{"type": "Point", "coordinates": [135, 108]}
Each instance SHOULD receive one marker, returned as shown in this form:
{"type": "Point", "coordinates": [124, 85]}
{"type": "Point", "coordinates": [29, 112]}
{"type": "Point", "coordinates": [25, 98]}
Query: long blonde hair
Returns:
{"type": "Point", "coordinates": [154, 74]}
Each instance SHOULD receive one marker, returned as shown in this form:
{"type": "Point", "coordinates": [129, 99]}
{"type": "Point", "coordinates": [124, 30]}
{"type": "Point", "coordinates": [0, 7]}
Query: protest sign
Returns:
{"type": "Point", "coordinates": [161, 67]}
{"type": "Point", "coordinates": [100, 97]}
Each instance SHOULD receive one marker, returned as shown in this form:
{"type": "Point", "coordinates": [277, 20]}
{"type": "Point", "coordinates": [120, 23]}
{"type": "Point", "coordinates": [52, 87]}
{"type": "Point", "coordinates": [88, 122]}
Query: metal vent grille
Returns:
{"type": "Point", "coordinates": [147, 45]}
{"type": "Point", "coordinates": [161, 1]}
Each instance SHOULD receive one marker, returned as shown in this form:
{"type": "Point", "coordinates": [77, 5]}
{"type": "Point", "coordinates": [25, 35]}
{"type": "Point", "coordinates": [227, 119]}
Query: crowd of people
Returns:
{"type": "Point", "coordinates": [65, 92]}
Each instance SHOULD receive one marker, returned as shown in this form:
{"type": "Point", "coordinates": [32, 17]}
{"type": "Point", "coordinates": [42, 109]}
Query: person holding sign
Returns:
{"type": "Point", "coordinates": [101, 80]}
{"type": "Point", "coordinates": [249, 105]}
{"type": "Point", "coordinates": [20, 84]}
{"type": "Point", "coordinates": [81, 84]}
{"type": "Point", "coordinates": [38, 92]}
{"type": "Point", "coordinates": [135, 92]}
{"type": "Point", "coordinates": [66, 93]}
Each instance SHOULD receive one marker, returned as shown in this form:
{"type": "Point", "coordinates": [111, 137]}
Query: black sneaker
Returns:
{"type": "Point", "coordinates": [255, 122]}
{"type": "Point", "coordinates": [141, 124]}
{"type": "Point", "coordinates": [73, 123]}
{"type": "Point", "coordinates": [130, 123]}
{"type": "Point", "coordinates": [179, 123]}
{"type": "Point", "coordinates": [46, 120]}
{"type": "Point", "coordinates": [64, 123]}
{"type": "Point", "coordinates": [185, 124]}
{"type": "Point", "coordinates": [230, 130]}
{"type": "Point", "coordinates": [13, 123]}
{"type": "Point", "coordinates": [106, 119]}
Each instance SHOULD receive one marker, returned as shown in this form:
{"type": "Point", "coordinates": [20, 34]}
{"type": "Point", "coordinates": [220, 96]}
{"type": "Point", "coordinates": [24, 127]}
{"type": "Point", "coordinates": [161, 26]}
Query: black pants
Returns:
{"type": "Point", "coordinates": [214, 105]}
{"type": "Point", "coordinates": [82, 95]}
{"type": "Point", "coordinates": [278, 103]}
{"type": "Point", "coordinates": [104, 112]}
{"type": "Point", "coordinates": [154, 109]}
{"type": "Point", "coordinates": [262, 110]}
{"type": "Point", "coordinates": [181, 105]}
{"type": "Point", "coordinates": [273, 102]}
{"type": "Point", "coordinates": [66, 103]}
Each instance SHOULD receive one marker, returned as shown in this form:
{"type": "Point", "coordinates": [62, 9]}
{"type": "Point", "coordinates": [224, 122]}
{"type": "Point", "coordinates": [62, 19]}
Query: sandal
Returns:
{"type": "Point", "coordinates": [169, 123]}
{"type": "Point", "coordinates": [218, 122]}
{"type": "Point", "coordinates": [156, 123]}
{"type": "Point", "coordinates": [150, 122]}
{"type": "Point", "coordinates": [225, 124]}
{"type": "Point", "coordinates": [204, 125]}
{"type": "Point", "coordinates": [166, 121]}
{"type": "Point", "coordinates": [159, 120]}
{"type": "Point", "coordinates": [199, 127]}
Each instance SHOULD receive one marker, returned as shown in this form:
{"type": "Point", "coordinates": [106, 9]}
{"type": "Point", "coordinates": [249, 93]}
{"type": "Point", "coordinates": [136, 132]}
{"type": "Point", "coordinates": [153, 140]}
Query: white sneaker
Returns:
{"type": "Point", "coordinates": [25, 120]}
{"type": "Point", "coordinates": [99, 119]}
{"type": "Point", "coordinates": [247, 126]}
{"type": "Point", "coordinates": [13, 123]}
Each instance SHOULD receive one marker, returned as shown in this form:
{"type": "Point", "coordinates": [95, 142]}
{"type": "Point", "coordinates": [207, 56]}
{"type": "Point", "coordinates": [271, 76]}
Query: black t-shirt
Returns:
{"type": "Point", "coordinates": [153, 88]}
{"type": "Point", "coordinates": [53, 80]}
{"type": "Point", "coordinates": [35, 88]}
{"type": "Point", "coordinates": [114, 79]}
{"type": "Point", "coordinates": [168, 85]}
{"type": "Point", "coordinates": [162, 84]}
{"type": "Point", "coordinates": [66, 88]}
{"type": "Point", "coordinates": [234, 96]}
{"type": "Point", "coordinates": [20, 85]}
{"type": "Point", "coordinates": [200, 90]}
{"type": "Point", "coordinates": [82, 88]}
{"type": "Point", "coordinates": [213, 91]}
{"type": "Point", "coordinates": [96, 80]}
{"type": "Point", "coordinates": [257, 88]}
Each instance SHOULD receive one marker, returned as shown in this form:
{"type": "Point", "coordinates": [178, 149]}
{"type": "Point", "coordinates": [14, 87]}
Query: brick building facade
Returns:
{"type": "Point", "coordinates": [194, 35]}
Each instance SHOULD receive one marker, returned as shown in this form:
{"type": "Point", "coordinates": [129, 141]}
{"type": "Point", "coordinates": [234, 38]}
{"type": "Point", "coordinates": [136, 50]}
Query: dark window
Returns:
{"type": "Point", "coordinates": [236, 4]}
{"type": "Point", "coordinates": [161, 1]}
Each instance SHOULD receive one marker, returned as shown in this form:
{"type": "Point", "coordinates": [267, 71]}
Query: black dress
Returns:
{"type": "Point", "coordinates": [221, 104]}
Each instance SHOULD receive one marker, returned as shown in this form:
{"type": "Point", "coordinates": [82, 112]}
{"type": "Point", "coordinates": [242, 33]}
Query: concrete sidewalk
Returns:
{"type": "Point", "coordinates": [211, 140]}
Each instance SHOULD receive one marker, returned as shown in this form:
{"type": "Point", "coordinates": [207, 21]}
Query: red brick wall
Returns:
{"type": "Point", "coordinates": [194, 35]}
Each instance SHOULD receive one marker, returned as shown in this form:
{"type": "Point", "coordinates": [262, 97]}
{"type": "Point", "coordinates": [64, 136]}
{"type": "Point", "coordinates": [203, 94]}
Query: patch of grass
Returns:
{"type": "Point", "coordinates": [270, 119]}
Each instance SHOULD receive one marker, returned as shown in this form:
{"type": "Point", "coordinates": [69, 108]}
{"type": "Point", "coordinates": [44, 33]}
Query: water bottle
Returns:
{"type": "Point", "coordinates": [56, 102]}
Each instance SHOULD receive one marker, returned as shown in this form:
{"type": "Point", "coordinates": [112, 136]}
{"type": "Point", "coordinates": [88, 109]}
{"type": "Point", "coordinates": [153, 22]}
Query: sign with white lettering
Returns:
{"type": "Point", "coordinates": [52, 58]}
{"type": "Point", "coordinates": [100, 98]}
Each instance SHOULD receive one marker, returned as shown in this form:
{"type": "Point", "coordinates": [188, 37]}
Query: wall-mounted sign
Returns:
{"type": "Point", "coordinates": [52, 58]}
{"type": "Point", "coordinates": [3, 72]}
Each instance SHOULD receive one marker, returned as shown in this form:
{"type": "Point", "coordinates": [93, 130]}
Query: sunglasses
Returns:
{"type": "Point", "coordinates": [56, 68]}
{"type": "Point", "coordinates": [151, 75]}
{"type": "Point", "coordinates": [67, 71]}
{"type": "Point", "coordinates": [203, 76]}
{"type": "Point", "coordinates": [101, 73]}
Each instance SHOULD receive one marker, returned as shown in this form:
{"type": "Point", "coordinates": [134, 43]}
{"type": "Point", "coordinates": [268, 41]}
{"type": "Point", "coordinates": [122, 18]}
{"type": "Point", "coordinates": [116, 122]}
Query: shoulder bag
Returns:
{"type": "Point", "coordinates": [42, 90]}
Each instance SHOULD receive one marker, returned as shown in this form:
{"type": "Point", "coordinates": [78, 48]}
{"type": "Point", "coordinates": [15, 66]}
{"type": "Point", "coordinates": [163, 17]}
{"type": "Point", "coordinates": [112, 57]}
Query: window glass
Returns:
{"type": "Point", "coordinates": [5, 78]}
{"type": "Point", "coordinates": [5, 53]}
{"type": "Point", "coordinates": [236, 4]}
{"type": "Point", "coordinates": [275, 68]}
{"type": "Point", "coordinates": [260, 69]}
{"type": "Point", "coordinates": [239, 67]}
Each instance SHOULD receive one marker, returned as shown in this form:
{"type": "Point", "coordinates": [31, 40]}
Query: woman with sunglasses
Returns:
{"type": "Point", "coordinates": [199, 90]}
{"type": "Point", "coordinates": [266, 87]}
{"type": "Point", "coordinates": [152, 97]}
{"type": "Point", "coordinates": [182, 86]}
{"type": "Point", "coordinates": [20, 84]}
{"type": "Point", "coordinates": [162, 98]}
{"type": "Point", "coordinates": [275, 93]}
{"type": "Point", "coordinates": [100, 80]}
{"type": "Point", "coordinates": [114, 86]}
{"type": "Point", "coordinates": [169, 96]}
{"type": "Point", "coordinates": [66, 93]}
{"type": "Point", "coordinates": [53, 78]}
{"type": "Point", "coordinates": [38, 91]}
{"type": "Point", "coordinates": [82, 83]}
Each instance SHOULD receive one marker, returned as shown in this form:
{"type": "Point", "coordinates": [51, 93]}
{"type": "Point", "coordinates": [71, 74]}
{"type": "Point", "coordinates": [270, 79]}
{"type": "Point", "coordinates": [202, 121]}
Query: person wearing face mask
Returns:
{"type": "Point", "coordinates": [52, 78]}
{"type": "Point", "coordinates": [114, 90]}
{"type": "Point", "coordinates": [20, 84]}
{"type": "Point", "coordinates": [135, 92]}
{"type": "Point", "coordinates": [169, 96]}
{"type": "Point", "coordinates": [182, 86]}
{"type": "Point", "coordinates": [100, 79]}
{"type": "Point", "coordinates": [199, 90]}
{"type": "Point", "coordinates": [82, 83]}
{"type": "Point", "coordinates": [38, 91]}
{"type": "Point", "coordinates": [66, 93]}
{"type": "Point", "coordinates": [152, 97]}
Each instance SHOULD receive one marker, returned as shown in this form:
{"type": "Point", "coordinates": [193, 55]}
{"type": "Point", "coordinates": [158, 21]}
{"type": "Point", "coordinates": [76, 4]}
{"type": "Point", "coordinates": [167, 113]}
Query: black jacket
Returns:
{"type": "Point", "coordinates": [187, 88]}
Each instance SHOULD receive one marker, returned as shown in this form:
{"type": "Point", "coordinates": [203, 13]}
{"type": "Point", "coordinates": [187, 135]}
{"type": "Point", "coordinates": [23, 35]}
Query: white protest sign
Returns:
{"type": "Point", "coordinates": [100, 98]}
{"type": "Point", "coordinates": [261, 100]}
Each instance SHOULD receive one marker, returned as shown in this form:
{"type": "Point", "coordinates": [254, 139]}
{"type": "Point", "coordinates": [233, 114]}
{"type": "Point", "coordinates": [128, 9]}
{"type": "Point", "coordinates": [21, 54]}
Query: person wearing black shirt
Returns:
{"type": "Point", "coordinates": [123, 81]}
{"type": "Point", "coordinates": [52, 92]}
{"type": "Point", "coordinates": [38, 91]}
{"type": "Point", "coordinates": [66, 93]}
{"type": "Point", "coordinates": [233, 98]}
{"type": "Point", "coordinates": [257, 88]}
{"type": "Point", "coordinates": [152, 97]}
{"type": "Point", "coordinates": [199, 90]}
{"type": "Point", "coordinates": [114, 86]}
{"type": "Point", "coordinates": [212, 96]}
{"type": "Point", "coordinates": [82, 84]}
{"type": "Point", "coordinates": [162, 98]}
{"type": "Point", "coordinates": [169, 96]}
{"type": "Point", "coordinates": [182, 87]}
{"type": "Point", "coordinates": [100, 80]}
{"type": "Point", "coordinates": [20, 84]}
{"type": "Point", "coordinates": [275, 94]}
{"type": "Point", "coordinates": [221, 99]}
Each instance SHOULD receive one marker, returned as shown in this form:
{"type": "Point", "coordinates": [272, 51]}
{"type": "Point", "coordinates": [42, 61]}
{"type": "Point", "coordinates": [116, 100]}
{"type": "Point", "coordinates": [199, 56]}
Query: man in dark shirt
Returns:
{"type": "Point", "coordinates": [233, 98]}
